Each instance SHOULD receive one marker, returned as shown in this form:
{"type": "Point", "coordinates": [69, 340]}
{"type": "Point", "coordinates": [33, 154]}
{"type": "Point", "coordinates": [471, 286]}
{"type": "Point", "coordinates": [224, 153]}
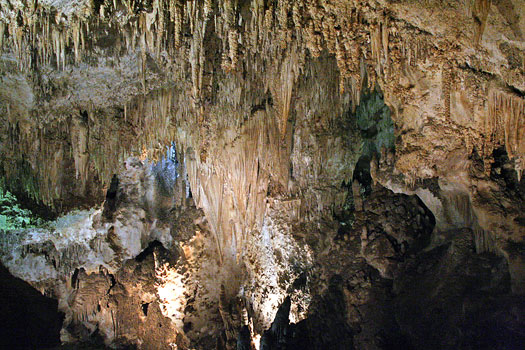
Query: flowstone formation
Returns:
{"type": "Point", "coordinates": [339, 174]}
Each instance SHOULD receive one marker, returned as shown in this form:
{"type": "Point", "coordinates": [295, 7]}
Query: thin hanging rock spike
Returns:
{"type": "Point", "coordinates": [446, 88]}
{"type": "Point", "coordinates": [2, 34]}
{"type": "Point", "coordinates": [480, 13]}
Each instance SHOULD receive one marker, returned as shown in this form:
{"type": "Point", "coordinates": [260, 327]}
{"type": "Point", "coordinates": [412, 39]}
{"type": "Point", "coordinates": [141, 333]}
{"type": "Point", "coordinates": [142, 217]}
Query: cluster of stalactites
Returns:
{"type": "Point", "coordinates": [148, 132]}
{"type": "Point", "coordinates": [366, 41]}
{"type": "Point", "coordinates": [316, 27]}
{"type": "Point", "coordinates": [361, 35]}
{"type": "Point", "coordinates": [88, 139]}
{"type": "Point", "coordinates": [38, 174]}
{"type": "Point", "coordinates": [42, 36]}
{"type": "Point", "coordinates": [363, 38]}
{"type": "Point", "coordinates": [480, 13]}
{"type": "Point", "coordinates": [505, 125]}
{"type": "Point", "coordinates": [483, 239]}
{"type": "Point", "coordinates": [152, 117]}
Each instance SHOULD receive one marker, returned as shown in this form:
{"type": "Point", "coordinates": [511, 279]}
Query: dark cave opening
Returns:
{"type": "Point", "coordinates": [374, 121]}
{"type": "Point", "coordinates": [503, 171]}
{"type": "Point", "coordinates": [74, 278]}
{"type": "Point", "coordinates": [145, 308]}
{"type": "Point", "coordinates": [110, 204]}
{"type": "Point", "coordinates": [28, 320]}
{"type": "Point", "coordinates": [153, 246]}
{"type": "Point", "coordinates": [362, 175]}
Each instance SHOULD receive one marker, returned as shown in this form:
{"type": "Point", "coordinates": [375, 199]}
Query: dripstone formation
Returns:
{"type": "Point", "coordinates": [265, 174]}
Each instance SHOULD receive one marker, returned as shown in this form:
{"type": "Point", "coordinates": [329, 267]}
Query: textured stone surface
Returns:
{"type": "Point", "coordinates": [304, 130]}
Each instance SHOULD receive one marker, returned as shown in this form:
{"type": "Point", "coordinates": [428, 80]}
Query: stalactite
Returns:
{"type": "Point", "coordinates": [410, 179]}
{"type": "Point", "coordinates": [79, 143]}
{"type": "Point", "coordinates": [143, 50]}
{"type": "Point", "coordinates": [341, 59]}
{"type": "Point", "coordinates": [297, 15]}
{"type": "Point", "coordinates": [233, 40]}
{"type": "Point", "coordinates": [483, 241]}
{"type": "Point", "coordinates": [313, 40]}
{"type": "Point", "coordinates": [480, 13]}
{"type": "Point", "coordinates": [208, 8]}
{"type": "Point", "coordinates": [462, 204]}
{"type": "Point", "coordinates": [376, 42]}
{"type": "Point", "coordinates": [283, 7]}
{"type": "Point", "coordinates": [153, 114]}
{"type": "Point", "coordinates": [2, 34]}
{"type": "Point", "coordinates": [385, 38]}
{"type": "Point", "coordinates": [505, 125]}
{"type": "Point", "coordinates": [230, 56]}
{"type": "Point", "coordinates": [256, 24]}
{"type": "Point", "coordinates": [76, 41]}
{"type": "Point", "coordinates": [446, 77]}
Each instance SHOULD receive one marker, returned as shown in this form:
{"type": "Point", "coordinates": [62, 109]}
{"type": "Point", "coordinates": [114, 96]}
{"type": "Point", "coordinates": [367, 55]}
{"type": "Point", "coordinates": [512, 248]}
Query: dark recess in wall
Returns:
{"type": "Point", "coordinates": [28, 320]}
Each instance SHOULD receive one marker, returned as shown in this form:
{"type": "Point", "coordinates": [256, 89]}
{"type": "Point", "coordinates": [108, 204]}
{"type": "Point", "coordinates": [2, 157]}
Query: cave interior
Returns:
{"type": "Point", "coordinates": [262, 174]}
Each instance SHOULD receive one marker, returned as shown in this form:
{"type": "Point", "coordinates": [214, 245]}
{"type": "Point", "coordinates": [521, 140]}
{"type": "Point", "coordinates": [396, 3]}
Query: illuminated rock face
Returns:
{"type": "Point", "coordinates": [304, 131]}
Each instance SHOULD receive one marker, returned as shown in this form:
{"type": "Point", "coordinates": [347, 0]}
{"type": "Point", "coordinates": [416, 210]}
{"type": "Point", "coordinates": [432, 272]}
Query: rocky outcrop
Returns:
{"type": "Point", "coordinates": [392, 229]}
{"type": "Point", "coordinates": [112, 276]}
{"type": "Point", "coordinates": [437, 298]}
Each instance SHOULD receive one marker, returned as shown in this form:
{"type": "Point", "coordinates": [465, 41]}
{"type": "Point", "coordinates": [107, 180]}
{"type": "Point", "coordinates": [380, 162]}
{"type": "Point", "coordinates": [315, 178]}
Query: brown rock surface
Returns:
{"type": "Point", "coordinates": [324, 149]}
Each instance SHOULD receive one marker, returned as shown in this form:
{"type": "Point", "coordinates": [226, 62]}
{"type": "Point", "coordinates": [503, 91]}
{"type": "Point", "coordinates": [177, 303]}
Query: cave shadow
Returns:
{"type": "Point", "coordinates": [28, 320]}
